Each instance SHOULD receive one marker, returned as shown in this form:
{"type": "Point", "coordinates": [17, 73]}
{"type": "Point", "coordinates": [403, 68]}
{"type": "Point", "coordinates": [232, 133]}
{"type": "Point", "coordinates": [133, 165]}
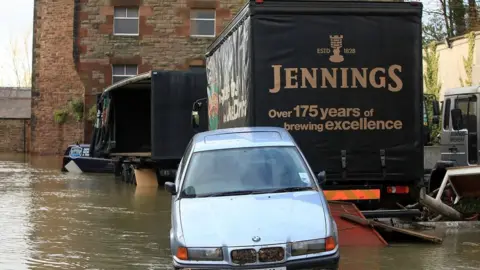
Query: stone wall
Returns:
{"type": "Point", "coordinates": [12, 136]}
{"type": "Point", "coordinates": [75, 49]}
{"type": "Point", "coordinates": [163, 41]}
{"type": "Point", "coordinates": [55, 79]}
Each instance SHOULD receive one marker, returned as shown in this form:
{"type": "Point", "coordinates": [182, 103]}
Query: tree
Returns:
{"type": "Point", "coordinates": [431, 57]}
{"type": "Point", "coordinates": [434, 29]}
{"type": "Point", "coordinates": [459, 16]}
{"type": "Point", "coordinates": [472, 12]}
{"type": "Point", "coordinates": [432, 82]}
{"type": "Point", "coordinates": [17, 69]}
{"type": "Point", "coordinates": [447, 16]}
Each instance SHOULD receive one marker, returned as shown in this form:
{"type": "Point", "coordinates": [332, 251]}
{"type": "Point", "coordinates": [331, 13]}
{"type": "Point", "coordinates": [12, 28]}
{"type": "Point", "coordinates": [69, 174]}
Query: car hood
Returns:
{"type": "Point", "coordinates": [234, 220]}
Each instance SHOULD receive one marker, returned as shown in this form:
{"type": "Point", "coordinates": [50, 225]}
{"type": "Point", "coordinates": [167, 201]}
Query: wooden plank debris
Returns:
{"type": "Point", "coordinates": [376, 224]}
{"type": "Point", "coordinates": [351, 234]}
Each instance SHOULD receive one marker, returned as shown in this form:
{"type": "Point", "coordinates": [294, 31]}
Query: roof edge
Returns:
{"type": "Point", "coordinates": [455, 38]}
{"type": "Point", "coordinates": [139, 77]}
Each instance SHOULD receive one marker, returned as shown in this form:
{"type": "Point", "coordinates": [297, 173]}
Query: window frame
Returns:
{"type": "Point", "coordinates": [183, 166]}
{"type": "Point", "coordinates": [125, 76]}
{"type": "Point", "coordinates": [115, 18]}
{"type": "Point", "coordinates": [469, 100]}
{"type": "Point", "coordinates": [446, 113]}
{"type": "Point", "coordinates": [214, 19]}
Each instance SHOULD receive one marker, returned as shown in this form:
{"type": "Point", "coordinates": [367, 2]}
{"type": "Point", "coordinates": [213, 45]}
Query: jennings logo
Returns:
{"type": "Point", "coordinates": [387, 76]}
{"type": "Point", "coordinates": [335, 50]}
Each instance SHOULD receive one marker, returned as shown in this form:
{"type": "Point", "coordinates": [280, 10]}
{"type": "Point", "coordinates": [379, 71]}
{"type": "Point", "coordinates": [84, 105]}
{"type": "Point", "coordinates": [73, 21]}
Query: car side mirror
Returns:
{"type": "Point", "coordinates": [321, 178]}
{"type": "Point", "coordinates": [170, 188]}
{"type": "Point", "coordinates": [197, 105]}
{"type": "Point", "coordinates": [195, 120]}
{"type": "Point", "coordinates": [456, 119]}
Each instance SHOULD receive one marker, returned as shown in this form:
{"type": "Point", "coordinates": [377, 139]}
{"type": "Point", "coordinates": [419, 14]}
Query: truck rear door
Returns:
{"type": "Point", "coordinates": [345, 78]}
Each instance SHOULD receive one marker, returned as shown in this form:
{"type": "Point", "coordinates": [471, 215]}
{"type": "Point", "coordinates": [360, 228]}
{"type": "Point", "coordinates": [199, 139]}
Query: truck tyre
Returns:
{"type": "Point", "coordinates": [125, 173]}
{"type": "Point", "coordinates": [132, 179]}
{"type": "Point", "coordinates": [118, 169]}
{"type": "Point", "coordinates": [437, 174]}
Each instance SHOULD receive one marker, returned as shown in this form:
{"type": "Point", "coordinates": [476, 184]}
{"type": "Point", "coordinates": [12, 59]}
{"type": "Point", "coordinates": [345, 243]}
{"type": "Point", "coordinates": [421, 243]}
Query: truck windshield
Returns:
{"type": "Point", "coordinates": [243, 171]}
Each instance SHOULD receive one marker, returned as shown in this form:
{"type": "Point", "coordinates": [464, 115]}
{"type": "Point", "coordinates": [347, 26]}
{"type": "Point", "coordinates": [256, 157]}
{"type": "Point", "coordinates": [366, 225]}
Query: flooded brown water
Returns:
{"type": "Point", "coordinates": [55, 220]}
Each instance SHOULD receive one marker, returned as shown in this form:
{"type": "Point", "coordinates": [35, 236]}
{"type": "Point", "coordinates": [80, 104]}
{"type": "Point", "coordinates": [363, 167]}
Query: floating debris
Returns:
{"type": "Point", "coordinates": [390, 228]}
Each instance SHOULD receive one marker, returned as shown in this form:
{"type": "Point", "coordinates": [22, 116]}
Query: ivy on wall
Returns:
{"type": "Point", "coordinates": [74, 109]}
{"type": "Point", "coordinates": [92, 113]}
{"type": "Point", "coordinates": [468, 62]}
{"type": "Point", "coordinates": [431, 57]}
{"type": "Point", "coordinates": [432, 82]}
{"type": "Point", "coordinates": [60, 116]}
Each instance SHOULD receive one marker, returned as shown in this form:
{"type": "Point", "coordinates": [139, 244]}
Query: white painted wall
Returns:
{"type": "Point", "coordinates": [451, 63]}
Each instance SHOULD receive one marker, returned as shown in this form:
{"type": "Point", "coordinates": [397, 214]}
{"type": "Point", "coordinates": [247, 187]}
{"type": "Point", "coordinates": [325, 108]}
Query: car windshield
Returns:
{"type": "Point", "coordinates": [246, 171]}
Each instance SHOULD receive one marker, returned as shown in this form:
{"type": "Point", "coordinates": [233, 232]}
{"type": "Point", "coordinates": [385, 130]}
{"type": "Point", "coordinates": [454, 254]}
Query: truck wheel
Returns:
{"type": "Point", "coordinates": [437, 174]}
{"type": "Point", "coordinates": [118, 169]}
{"type": "Point", "coordinates": [125, 173]}
{"type": "Point", "coordinates": [132, 179]}
{"type": "Point", "coordinates": [436, 178]}
{"type": "Point", "coordinates": [129, 178]}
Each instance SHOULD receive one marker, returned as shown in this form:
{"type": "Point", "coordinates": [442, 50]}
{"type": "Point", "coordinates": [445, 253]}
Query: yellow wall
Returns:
{"type": "Point", "coordinates": [451, 63]}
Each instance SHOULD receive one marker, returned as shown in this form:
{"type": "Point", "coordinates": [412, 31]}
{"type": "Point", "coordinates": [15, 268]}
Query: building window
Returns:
{"type": "Point", "coordinates": [202, 23]}
{"type": "Point", "coordinates": [121, 72]}
{"type": "Point", "coordinates": [125, 21]}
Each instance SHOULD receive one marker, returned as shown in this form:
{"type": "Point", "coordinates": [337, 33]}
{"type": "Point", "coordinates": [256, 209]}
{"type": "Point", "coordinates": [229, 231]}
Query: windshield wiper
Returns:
{"type": "Point", "coordinates": [184, 195]}
{"type": "Point", "coordinates": [227, 193]}
{"type": "Point", "coordinates": [291, 189]}
{"type": "Point", "coordinates": [248, 192]}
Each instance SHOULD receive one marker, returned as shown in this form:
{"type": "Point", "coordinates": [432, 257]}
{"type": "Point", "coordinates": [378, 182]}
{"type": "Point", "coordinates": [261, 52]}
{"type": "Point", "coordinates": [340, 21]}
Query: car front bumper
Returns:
{"type": "Point", "coordinates": [329, 262]}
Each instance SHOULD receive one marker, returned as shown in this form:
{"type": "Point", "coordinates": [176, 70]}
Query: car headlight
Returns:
{"type": "Point", "coordinates": [312, 246]}
{"type": "Point", "coordinates": [200, 254]}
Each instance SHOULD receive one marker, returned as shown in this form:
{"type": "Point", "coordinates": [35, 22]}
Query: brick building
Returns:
{"type": "Point", "coordinates": [15, 105]}
{"type": "Point", "coordinates": [82, 46]}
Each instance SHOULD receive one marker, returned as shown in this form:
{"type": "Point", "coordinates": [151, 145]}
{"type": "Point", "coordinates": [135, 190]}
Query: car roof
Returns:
{"type": "Point", "coordinates": [241, 137]}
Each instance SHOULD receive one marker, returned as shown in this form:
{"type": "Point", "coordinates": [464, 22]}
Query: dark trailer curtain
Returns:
{"type": "Point", "coordinates": [173, 95]}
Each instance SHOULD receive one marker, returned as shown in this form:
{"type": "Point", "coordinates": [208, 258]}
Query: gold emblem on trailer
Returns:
{"type": "Point", "coordinates": [336, 49]}
{"type": "Point", "coordinates": [336, 44]}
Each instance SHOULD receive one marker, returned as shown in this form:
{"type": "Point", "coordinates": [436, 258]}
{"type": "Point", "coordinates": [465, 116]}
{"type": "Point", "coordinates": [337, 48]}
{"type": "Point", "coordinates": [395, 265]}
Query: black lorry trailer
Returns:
{"type": "Point", "coordinates": [344, 77]}
{"type": "Point", "coordinates": [142, 122]}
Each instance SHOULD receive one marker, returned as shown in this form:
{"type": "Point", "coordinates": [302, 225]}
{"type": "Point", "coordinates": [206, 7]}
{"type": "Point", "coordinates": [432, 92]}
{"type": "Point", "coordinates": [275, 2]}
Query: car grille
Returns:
{"type": "Point", "coordinates": [273, 254]}
{"type": "Point", "coordinates": [243, 256]}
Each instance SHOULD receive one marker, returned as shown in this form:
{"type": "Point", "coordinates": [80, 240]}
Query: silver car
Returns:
{"type": "Point", "coordinates": [246, 198]}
